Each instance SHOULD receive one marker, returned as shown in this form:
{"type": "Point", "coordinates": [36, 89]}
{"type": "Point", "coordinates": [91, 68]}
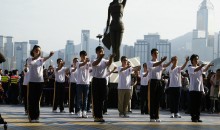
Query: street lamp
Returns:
{"type": "Point", "coordinates": [99, 36]}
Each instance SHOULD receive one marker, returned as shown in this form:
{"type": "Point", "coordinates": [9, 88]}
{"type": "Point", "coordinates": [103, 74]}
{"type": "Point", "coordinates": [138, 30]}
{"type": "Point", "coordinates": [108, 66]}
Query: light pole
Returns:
{"type": "Point", "coordinates": [99, 36]}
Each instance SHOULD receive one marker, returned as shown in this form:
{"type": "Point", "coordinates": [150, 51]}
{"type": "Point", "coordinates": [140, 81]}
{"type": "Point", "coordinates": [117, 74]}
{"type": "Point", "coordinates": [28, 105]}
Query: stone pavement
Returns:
{"type": "Point", "coordinates": [16, 119]}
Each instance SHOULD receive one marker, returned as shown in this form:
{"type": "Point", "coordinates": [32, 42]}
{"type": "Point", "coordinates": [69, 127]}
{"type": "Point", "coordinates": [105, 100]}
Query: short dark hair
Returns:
{"type": "Point", "coordinates": [59, 59]}
{"type": "Point", "coordinates": [82, 53]}
{"type": "Point", "coordinates": [75, 59]}
{"type": "Point", "coordinates": [153, 50]}
{"type": "Point", "coordinates": [123, 57]}
{"type": "Point", "coordinates": [98, 48]}
{"type": "Point", "coordinates": [193, 56]}
{"type": "Point", "coordinates": [32, 51]}
{"type": "Point", "coordinates": [144, 64]}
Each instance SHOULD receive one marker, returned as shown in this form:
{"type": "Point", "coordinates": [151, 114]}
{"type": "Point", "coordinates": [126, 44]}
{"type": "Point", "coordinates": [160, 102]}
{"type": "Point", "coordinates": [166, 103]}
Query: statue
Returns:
{"type": "Point", "coordinates": [116, 26]}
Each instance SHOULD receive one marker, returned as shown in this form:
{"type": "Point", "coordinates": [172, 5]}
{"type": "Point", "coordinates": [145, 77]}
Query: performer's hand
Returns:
{"type": "Point", "coordinates": [112, 55]}
{"type": "Point", "coordinates": [87, 60]}
{"type": "Point", "coordinates": [187, 58]}
{"type": "Point", "coordinates": [51, 53]}
{"type": "Point", "coordinates": [163, 58]}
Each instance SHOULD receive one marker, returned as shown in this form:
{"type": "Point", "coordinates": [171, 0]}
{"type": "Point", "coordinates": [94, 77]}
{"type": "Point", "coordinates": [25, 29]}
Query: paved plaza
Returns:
{"type": "Point", "coordinates": [17, 120]}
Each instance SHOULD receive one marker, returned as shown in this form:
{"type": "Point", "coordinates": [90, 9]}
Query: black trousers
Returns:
{"type": "Point", "coordinates": [59, 92]}
{"type": "Point", "coordinates": [144, 99]}
{"type": "Point", "coordinates": [174, 93]}
{"type": "Point", "coordinates": [99, 92]}
{"type": "Point", "coordinates": [89, 97]}
{"type": "Point", "coordinates": [24, 96]}
{"type": "Point", "coordinates": [156, 92]}
{"type": "Point", "coordinates": [72, 97]}
{"type": "Point", "coordinates": [195, 104]}
{"type": "Point", "coordinates": [105, 106]}
{"type": "Point", "coordinates": [34, 93]}
{"type": "Point", "coordinates": [13, 93]}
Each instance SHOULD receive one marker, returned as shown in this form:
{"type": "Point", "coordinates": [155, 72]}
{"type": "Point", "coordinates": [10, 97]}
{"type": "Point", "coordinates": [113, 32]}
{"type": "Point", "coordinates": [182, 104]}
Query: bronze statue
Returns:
{"type": "Point", "coordinates": [116, 26]}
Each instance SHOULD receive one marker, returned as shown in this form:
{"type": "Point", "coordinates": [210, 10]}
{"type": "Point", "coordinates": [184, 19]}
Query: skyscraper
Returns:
{"type": "Point", "coordinates": [128, 51]}
{"type": "Point", "coordinates": [1, 44]}
{"type": "Point", "coordinates": [203, 35]}
{"type": "Point", "coordinates": [69, 52]}
{"type": "Point", "coordinates": [143, 47]}
{"type": "Point", "coordinates": [9, 46]}
{"type": "Point", "coordinates": [21, 54]}
{"type": "Point", "coordinates": [32, 43]}
{"type": "Point", "coordinates": [85, 37]}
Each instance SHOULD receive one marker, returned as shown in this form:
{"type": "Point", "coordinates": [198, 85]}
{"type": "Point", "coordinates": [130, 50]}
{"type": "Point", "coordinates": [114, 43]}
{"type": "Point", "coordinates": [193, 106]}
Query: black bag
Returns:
{"type": "Point", "coordinates": [2, 58]}
{"type": "Point", "coordinates": [107, 40]}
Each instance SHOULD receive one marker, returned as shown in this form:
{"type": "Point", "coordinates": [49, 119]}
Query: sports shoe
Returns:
{"type": "Point", "coordinates": [99, 120]}
{"type": "Point", "coordinates": [121, 115]}
{"type": "Point", "coordinates": [54, 111]}
{"type": "Point", "coordinates": [152, 120]}
{"type": "Point", "coordinates": [126, 116]}
{"type": "Point", "coordinates": [84, 114]}
{"type": "Point", "coordinates": [172, 115]}
{"type": "Point", "coordinates": [106, 113]}
{"type": "Point", "coordinates": [62, 111]}
{"type": "Point", "coordinates": [177, 115]}
{"type": "Point", "coordinates": [71, 113]}
{"type": "Point", "coordinates": [158, 120]}
{"type": "Point", "coordinates": [79, 114]}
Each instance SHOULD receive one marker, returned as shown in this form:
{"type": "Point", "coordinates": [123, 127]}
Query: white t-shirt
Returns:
{"type": "Point", "coordinates": [124, 81]}
{"type": "Point", "coordinates": [154, 72]}
{"type": "Point", "coordinates": [144, 80]}
{"type": "Point", "coordinates": [175, 77]}
{"type": "Point", "coordinates": [60, 75]}
{"type": "Point", "coordinates": [100, 71]}
{"type": "Point", "coordinates": [196, 80]}
{"type": "Point", "coordinates": [26, 77]}
{"type": "Point", "coordinates": [36, 69]}
{"type": "Point", "coordinates": [83, 75]}
{"type": "Point", "coordinates": [73, 75]}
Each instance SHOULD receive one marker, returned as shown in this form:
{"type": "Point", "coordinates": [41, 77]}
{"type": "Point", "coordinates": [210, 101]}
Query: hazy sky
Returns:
{"type": "Point", "coordinates": [52, 22]}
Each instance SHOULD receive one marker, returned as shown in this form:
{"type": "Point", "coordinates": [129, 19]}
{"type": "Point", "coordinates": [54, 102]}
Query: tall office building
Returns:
{"type": "Point", "coordinates": [69, 52]}
{"type": "Point", "coordinates": [85, 38]}
{"type": "Point", "coordinates": [8, 47]}
{"type": "Point", "coordinates": [21, 54]}
{"type": "Point", "coordinates": [61, 55]}
{"type": "Point", "coordinates": [128, 51]}
{"type": "Point", "coordinates": [203, 35]}
{"type": "Point", "coordinates": [1, 44]}
{"type": "Point", "coordinates": [143, 47]}
{"type": "Point", "coordinates": [32, 43]}
{"type": "Point", "coordinates": [218, 45]}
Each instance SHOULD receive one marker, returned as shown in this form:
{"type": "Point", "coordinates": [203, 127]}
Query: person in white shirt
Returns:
{"type": "Point", "coordinates": [24, 86]}
{"type": "Point", "coordinates": [175, 86]}
{"type": "Point", "coordinates": [59, 87]}
{"type": "Point", "coordinates": [143, 90]}
{"type": "Point", "coordinates": [105, 106]}
{"type": "Point", "coordinates": [196, 87]}
{"type": "Point", "coordinates": [99, 87]}
{"type": "Point", "coordinates": [82, 87]}
{"type": "Point", "coordinates": [72, 86]}
{"type": "Point", "coordinates": [155, 88]}
{"type": "Point", "coordinates": [124, 86]}
{"type": "Point", "coordinates": [36, 82]}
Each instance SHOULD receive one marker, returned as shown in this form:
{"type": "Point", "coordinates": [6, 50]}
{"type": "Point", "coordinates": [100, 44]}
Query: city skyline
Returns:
{"type": "Point", "coordinates": [52, 22]}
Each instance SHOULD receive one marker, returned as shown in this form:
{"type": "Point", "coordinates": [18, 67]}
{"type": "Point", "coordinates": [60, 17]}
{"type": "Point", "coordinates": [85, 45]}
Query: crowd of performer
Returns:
{"type": "Point", "coordinates": [84, 86]}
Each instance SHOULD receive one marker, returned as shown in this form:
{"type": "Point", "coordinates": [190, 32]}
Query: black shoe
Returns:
{"type": "Point", "coordinates": [194, 120]}
{"type": "Point", "coordinates": [199, 120]}
{"type": "Point", "coordinates": [129, 111]}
